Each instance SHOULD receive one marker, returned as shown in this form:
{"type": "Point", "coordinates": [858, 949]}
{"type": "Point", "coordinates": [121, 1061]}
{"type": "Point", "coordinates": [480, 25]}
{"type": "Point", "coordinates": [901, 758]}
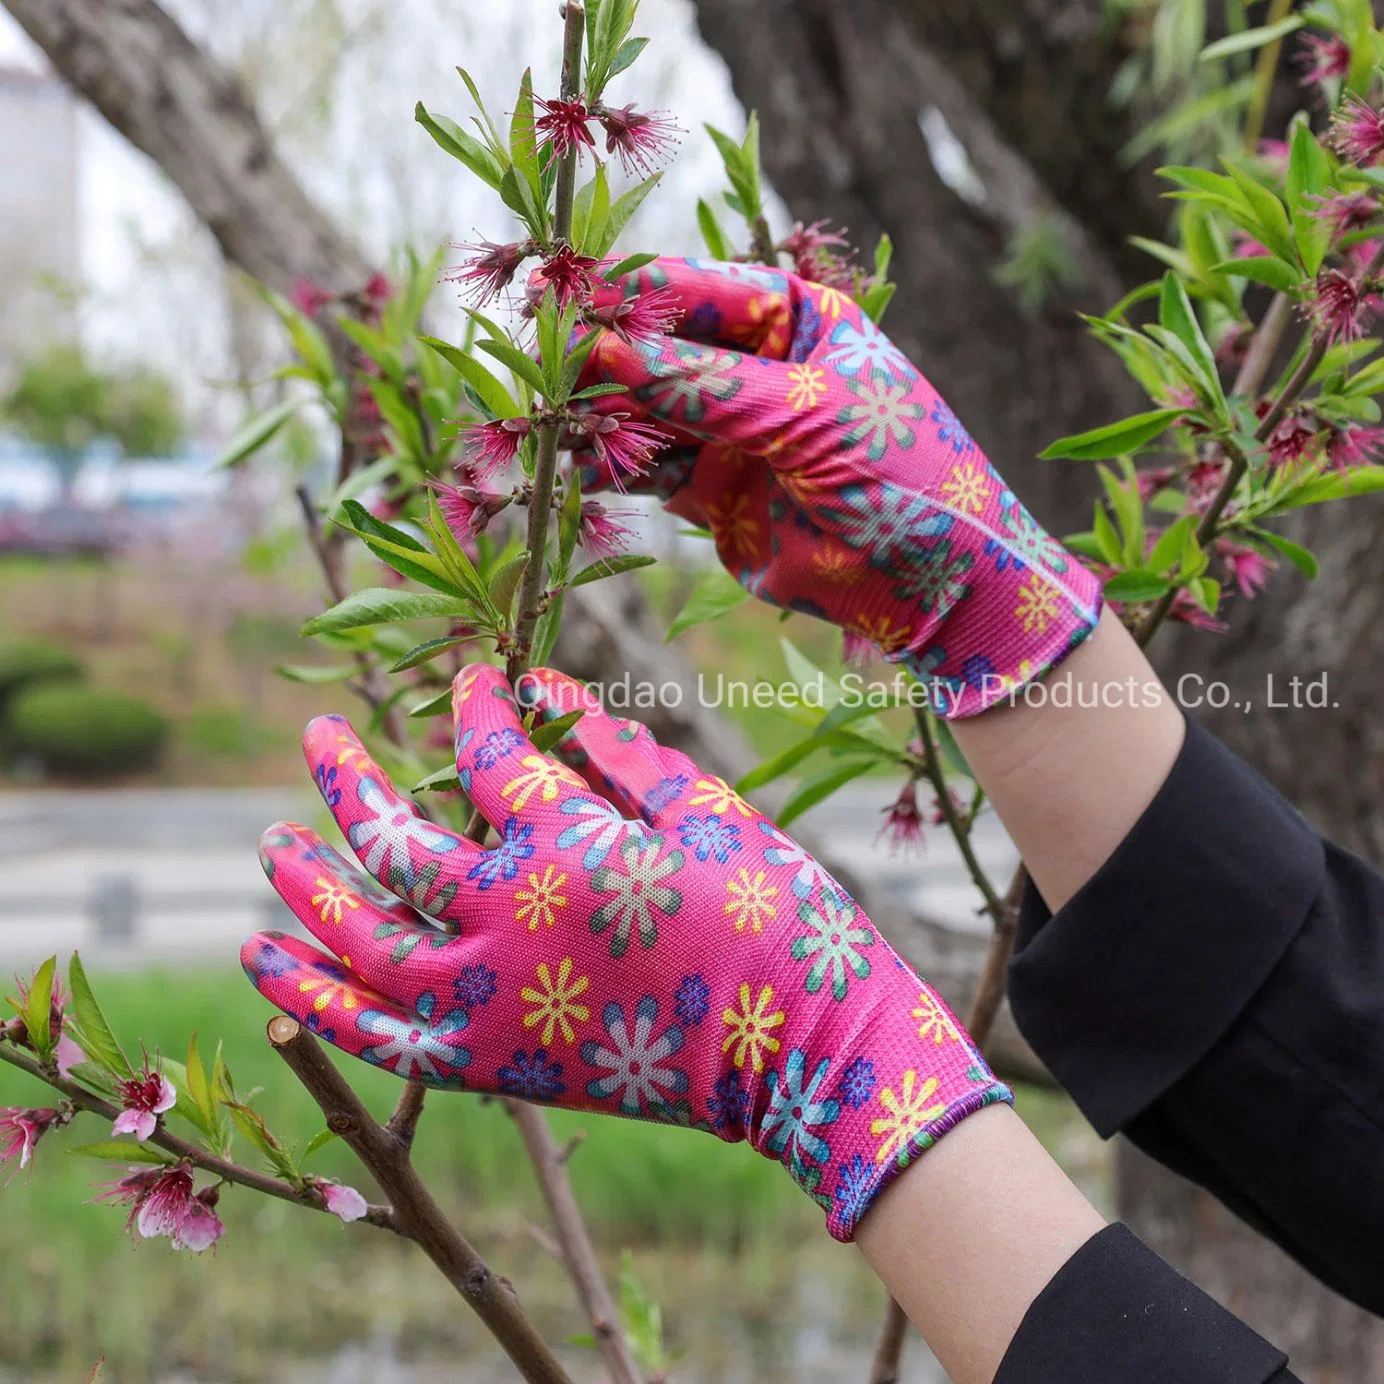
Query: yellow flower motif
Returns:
{"type": "Point", "coordinates": [736, 526]}
{"type": "Point", "coordinates": [350, 751]}
{"type": "Point", "coordinates": [1009, 683]}
{"type": "Point", "coordinates": [542, 777]}
{"type": "Point", "coordinates": [1039, 602]}
{"type": "Point", "coordinates": [556, 1009]}
{"type": "Point", "coordinates": [909, 1113]}
{"type": "Point", "coordinates": [806, 490]}
{"type": "Point", "coordinates": [809, 383]}
{"type": "Point", "coordinates": [749, 900]}
{"type": "Point", "coordinates": [750, 1028]}
{"type": "Point", "coordinates": [771, 323]}
{"type": "Point", "coordinates": [832, 301]}
{"type": "Point", "coordinates": [333, 898]}
{"type": "Point", "coordinates": [540, 901]}
{"type": "Point", "coordinates": [461, 691]}
{"type": "Point", "coordinates": [717, 796]}
{"type": "Point", "coordinates": [324, 991]}
{"type": "Point", "coordinates": [968, 489]}
{"type": "Point", "coordinates": [835, 564]}
{"type": "Point", "coordinates": [880, 631]}
{"type": "Point", "coordinates": [933, 1021]}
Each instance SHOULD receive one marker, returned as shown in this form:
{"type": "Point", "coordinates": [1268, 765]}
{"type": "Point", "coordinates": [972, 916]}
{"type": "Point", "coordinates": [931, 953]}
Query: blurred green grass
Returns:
{"type": "Point", "coordinates": [290, 1280]}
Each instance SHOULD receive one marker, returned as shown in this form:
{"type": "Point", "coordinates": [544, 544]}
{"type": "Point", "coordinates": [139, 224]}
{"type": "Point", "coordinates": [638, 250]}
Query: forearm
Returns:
{"type": "Point", "coordinates": [969, 1236]}
{"type": "Point", "coordinates": [1074, 761]}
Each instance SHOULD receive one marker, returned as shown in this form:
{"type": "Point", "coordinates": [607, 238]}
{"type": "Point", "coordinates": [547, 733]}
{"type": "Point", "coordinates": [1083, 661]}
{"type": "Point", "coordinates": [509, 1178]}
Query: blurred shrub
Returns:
{"type": "Point", "coordinates": [30, 661]}
{"type": "Point", "coordinates": [225, 730]}
{"type": "Point", "coordinates": [83, 731]}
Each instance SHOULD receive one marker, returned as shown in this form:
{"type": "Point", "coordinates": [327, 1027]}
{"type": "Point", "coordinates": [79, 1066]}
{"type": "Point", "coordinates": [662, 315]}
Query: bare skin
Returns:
{"type": "Point", "coordinates": [1069, 782]}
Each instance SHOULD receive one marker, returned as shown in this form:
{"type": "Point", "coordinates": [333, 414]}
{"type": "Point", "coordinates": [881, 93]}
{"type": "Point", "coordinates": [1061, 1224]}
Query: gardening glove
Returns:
{"type": "Point", "coordinates": [837, 482]}
{"type": "Point", "coordinates": [641, 941]}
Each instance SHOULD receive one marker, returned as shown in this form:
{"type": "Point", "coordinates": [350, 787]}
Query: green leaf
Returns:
{"type": "Point", "coordinates": [1333, 485]}
{"type": "Point", "coordinates": [1249, 39]}
{"type": "Point", "coordinates": [1136, 585]}
{"type": "Point", "coordinates": [1115, 439]}
{"type": "Point", "coordinates": [523, 139]}
{"type": "Point", "coordinates": [97, 1041]}
{"type": "Point", "coordinates": [547, 733]}
{"type": "Point", "coordinates": [628, 265]}
{"type": "Point", "coordinates": [549, 626]}
{"type": "Point", "coordinates": [610, 567]}
{"type": "Point", "coordinates": [1273, 226]}
{"type": "Point", "coordinates": [444, 780]}
{"type": "Point", "coordinates": [1172, 544]}
{"type": "Point", "coordinates": [1177, 315]}
{"type": "Point", "coordinates": [125, 1151]}
{"type": "Point", "coordinates": [505, 583]}
{"type": "Point", "coordinates": [376, 605]}
{"type": "Point", "coordinates": [717, 246]}
{"type": "Point", "coordinates": [1264, 269]}
{"type": "Point", "coordinates": [428, 650]}
{"type": "Point", "coordinates": [251, 1124]}
{"type": "Point", "coordinates": [400, 550]}
{"type": "Point", "coordinates": [1309, 177]}
{"type": "Point", "coordinates": [1129, 511]}
{"type": "Point", "coordinates": [490, 391]}
{"type": "Point", "coordinates": [1301, 558]}
{"type": "Point", "coordinates": [599, 391]}
{"type": "Point", "coordinates": [624, 208]}
{"type": "Point", "coordinates": [1107, 537]}
{"type": "Point", "coordinates": [434, 706]}
{"type": "Point", "coordinates": [520, 362]}
{"type": "Point", "coordinates": [625, 55]}
{"type": "Point", "coordinates": [38, 1010]}
{"type": "Point", "coordinates": [785, 761]}
{"type": "Point", "coordinates": [820, 787]}
{"type": "Point", "coordinates": [714, 593]}
{"type": "Point", "coordinates": [198, 1087]}
{"type": "Point", "coordinates": [591, 210]}
{"type": "Point", "coordinates": [317, 677]}
{"type": "Point", "coordinates": [319, 1141]}
{"type": "Point", "coordinates": [450, 137]}
{"type": "Point", "coordinates": [256, 434]}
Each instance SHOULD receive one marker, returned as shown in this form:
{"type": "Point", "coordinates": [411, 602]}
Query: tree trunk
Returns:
{"type": "Point", "coordinates": [1023, 85]}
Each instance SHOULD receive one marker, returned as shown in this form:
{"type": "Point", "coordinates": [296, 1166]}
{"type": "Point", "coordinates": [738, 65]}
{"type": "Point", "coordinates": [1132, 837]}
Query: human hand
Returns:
{"type": "Point", "coordinates": [641, 942]}
{"type": "Point", "coordinates": [836, 481]}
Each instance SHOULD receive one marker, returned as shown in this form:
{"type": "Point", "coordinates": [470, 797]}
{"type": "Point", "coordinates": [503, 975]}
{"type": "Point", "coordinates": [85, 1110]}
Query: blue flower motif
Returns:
{"type": "Point", "coordinates": [535, 1077]}
{"type": "Point", "coordinates": [313, 1023]}
{"type": "Point", "coordinates": [461, 739]}
{"type": "Point", "coordinates": [949, 428]}
{"type": "Point", "coordinates": [1003, 557]}
{"type": "Point", "coordinates": [976, 669]}
{"type": "Point", "coordinates": [857, 1083]}
{"type": "Point", "coordinates": [710, 836]}
{"type": "Point", "coordinates": [795, 1112]}
{"type": "Point", "coordinates": [475, 986]}
{"type": "Point", "coordinates": [496, 746]}
{"type": "Point", "coordinates": [854, 1189]}
{"type": "Point", "coordinates": [865, 348]}
{"type": "Point", "coordinates": [807, 333]}
{"type": "Point", "coordinates": [665, 791]}
{"type": "Point", "coordinates": [502, 863]}
{"type": "Point", "coordinates": [729, 1106]}
{"type": "Point", "coordinates": [270, 960]}
{"type": "Point", "coordinates": [703, 322]}
{"type": "Point", "coordinates": [803, 605]}
{"type": "Point", "coordinates": [691, 1001]}
{"type": "Point", "coordinates": [326, 784]}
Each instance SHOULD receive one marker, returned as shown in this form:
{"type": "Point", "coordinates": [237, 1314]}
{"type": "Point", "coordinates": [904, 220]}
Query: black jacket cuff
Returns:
{"type": "Point", "coordinates": [1116, 1312]}
{"type": "Point", "coordinates": [1144, 971]}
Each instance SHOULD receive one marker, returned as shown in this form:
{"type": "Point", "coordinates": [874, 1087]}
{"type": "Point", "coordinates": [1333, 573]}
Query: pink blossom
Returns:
{"type": "Point", "coordinates": [20, 1131]}
{"type": "Point", "coordinates": [489, 447]}
{"type": "Point", "coordinates": [1348, 211]}
{"type": "Point", "coordinates": [1153, 480]}
{"type": "Point", "coordinates": [625, 446]}
{"type": "Point", "coordinates": [1339, 305]}
{"type": "Point", "coordinates": [571, 277]}
{"type": "Point", "coordinates": [1357, 131]}
{"type": "Point", "coordinates": [162, 1202]}
{"type": "Point", "coordinates": [144, 1097]}
{"type": "Point", "coordinates": [563, 127]}
{"type": "Point", "coordinates": [1324, 57]}
{"type": "Point", "coordinates": [1186, 611]}
{"type": "Point", "coordinates": [468, 509]}
{"type": "Point", "coordinates": [903, 826]}
{"type": "Point", "coordinates": [642, 140]}
{"type": "Point", "coordinates": [378, 290]}
{"type": "Point", "coordinates": [1354, 445]}
{"type": "Point", "coordinates": [644, 318]}
{"type": "Point", "coordinates": [1246, 247]}
{"type": "Point", "coordinates": [67, 1054]}
{"type": "Point", "coordinates": [822, 256]}
{"type": "Point", "coordinates": [490, 268]}
{"type": "Point", "coordinates": [1293, 439]}
{"type": "Point", "coordinates": [1248, 568]}
{"type": "Point", "coordinates": [1233, 345]}
{"type": "Point", "coordinates": [345, 1203]}
{"type": "Point", "coordinates": [600, 532]}
{"type": "Point", "coordinates": [310, 298]}
{"type": "Point", "coordinates": [1275, 153]}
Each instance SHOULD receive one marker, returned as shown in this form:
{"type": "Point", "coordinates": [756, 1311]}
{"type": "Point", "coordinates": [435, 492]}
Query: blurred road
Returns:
{"type": "Point", "coordinates": [132, 877]}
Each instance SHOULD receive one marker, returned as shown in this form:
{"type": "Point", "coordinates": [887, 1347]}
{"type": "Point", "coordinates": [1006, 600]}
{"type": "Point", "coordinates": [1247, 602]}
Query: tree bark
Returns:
{"type": "Point", "coordinates": [1023, 85]}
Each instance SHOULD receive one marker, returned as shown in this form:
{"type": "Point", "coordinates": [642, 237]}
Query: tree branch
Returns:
{"type": "Point", "coordinates": [490, 1297]}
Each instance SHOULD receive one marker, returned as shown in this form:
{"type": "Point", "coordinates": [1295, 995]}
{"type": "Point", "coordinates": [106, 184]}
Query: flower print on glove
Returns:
{"type": "Point", "coordinates": [837, 482]}
{"type": "Point", "coordinates": [640, 941]}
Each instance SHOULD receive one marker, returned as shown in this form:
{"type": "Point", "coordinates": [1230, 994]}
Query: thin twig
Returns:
{"type": "Point", "coordinates": [578, 1254]}
{"type": "Point", "coordinates": [490, 1297]}
{"type": "Point", "coordinates": [573, 32]}
{"type": "Point", "coordinates": [1266, 70]}
{"type": "Point", "coordinates": [762, 246]}
{"type": "Point", "coordinates": [1264, 345]}
{"type": "Point", "coordinates": [403, 1123]}
{"type": "Point", "coordinates": [83, 1100]}
{"type": "Point", "coordinates": [885, 1367]}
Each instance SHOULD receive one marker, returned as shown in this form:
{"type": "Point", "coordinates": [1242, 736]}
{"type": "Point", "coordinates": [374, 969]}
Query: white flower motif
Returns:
{"type": "Point", "coordinates": [786, 851]}
{"type": "Point", "coordinates": [603, 822]}
{"type": "Point", "coordinates": [417, 1047]}
{"type": "Point", "coordinates": [382, 840]}
{"type": "Point", "coordinates": [860, 348]}
{"type": "Point", "coordinates": [632, 1061]}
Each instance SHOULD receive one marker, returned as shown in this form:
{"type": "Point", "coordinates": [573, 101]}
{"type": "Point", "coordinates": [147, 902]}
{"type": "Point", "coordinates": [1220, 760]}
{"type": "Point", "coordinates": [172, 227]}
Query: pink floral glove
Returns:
{"type": "Point", "coordinates": [641, 942]}
{"type": "Point", "coordinates": [837, 482]}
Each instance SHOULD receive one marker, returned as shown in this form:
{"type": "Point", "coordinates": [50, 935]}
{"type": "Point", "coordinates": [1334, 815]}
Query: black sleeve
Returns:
{"type": "Point", "coordinates": [1115, 1313]}
{"type": "Point", "coordinates": [1216, 992]}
